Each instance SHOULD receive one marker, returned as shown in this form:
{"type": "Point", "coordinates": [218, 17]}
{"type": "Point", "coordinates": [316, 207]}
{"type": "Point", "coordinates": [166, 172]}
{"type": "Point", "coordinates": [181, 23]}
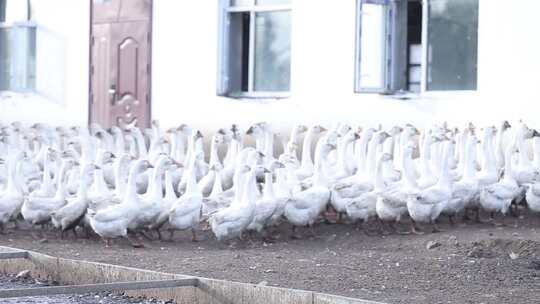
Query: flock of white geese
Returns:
{"type": "Point", "coordinates": [129, 183]}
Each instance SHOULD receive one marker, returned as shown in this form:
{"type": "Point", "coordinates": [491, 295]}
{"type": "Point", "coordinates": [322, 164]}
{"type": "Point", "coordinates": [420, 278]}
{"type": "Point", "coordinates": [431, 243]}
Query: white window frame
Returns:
{"type": "Point", "coordinates": [391, 26]}
{"type": "Point", "coordinates": [225, 10]}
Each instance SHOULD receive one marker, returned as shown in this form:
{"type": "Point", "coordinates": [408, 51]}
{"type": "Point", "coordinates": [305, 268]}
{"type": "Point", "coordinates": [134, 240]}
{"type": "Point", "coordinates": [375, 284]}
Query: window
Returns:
{"type": "Point", "coordinates": [452, 45]}
{"type": "Point", "coordinates": [17, 47]}
{"type": "Point", "coordinates": [255, 48]}
{"type": "Point", "coordinates": [416, 45]}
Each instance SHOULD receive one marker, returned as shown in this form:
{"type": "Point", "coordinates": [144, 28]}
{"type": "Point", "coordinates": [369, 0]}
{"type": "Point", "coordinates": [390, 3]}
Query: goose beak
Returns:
{"type": "Point", "coordinates": [261, 155]}
{"type": "Point", "coordinates": [265, 170]}
{"type": "Point", "coordinates": [221, 131]}
{"type": "Point", "coordinates": [323, 129]}
{"type": "Point", "coordinates": [199, 134]}
{"type": "Point", "coordinates": [535, 133]}
{"type": "Point", "coordinates": [249, 131]}
{"type": "Point", "coordinates": [356, 136]}
{"type": "Point", "coordinates": [506, 124]}
{"type": "Point", "coordinates": [279, 165]}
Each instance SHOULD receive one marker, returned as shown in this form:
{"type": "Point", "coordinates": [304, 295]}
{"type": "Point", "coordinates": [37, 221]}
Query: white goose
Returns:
{"type": "Point", "coordinates": [37, 210]}
{"type": "Point", "coordinates": [231, 222]}
{"type": "Point", "coordinates": [306, 165]}
{"type": "Point", "coordinates": [305, 206]}
{"type": "Point", "coordinates": [166, 203]}
{"type": "Point", "coordinates": [267, 205]}
{"type": "Point", "coordinates": [113, 221]}
{"type": "Point", "coordinates": [362, 208]}
{"type": "Point", "coordinates": [391, 204]}
{"type": "Point", "coordinates": [69, 216]}
{"type": "Point", "coordinates": [185, 212]}
{"type": "Point", "coordinates": [498, 196]}
{"type": "Point", "coordinates": [11, 200]}
{"type": "Point", "coordinates": [465, 191]}
{"type": "Point", "coordinates": [427, 205]}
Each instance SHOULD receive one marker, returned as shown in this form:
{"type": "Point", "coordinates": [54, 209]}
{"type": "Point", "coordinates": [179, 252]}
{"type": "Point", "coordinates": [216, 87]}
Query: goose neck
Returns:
{"type": "Point", "coordinates": [379, 180]}
{"type": "Point", "coordinates": [468, 168]}
{"type": "Point", "coordinates": [250, 194]}
{"type": "Point", "coordinates": [131, 195]}
{"type": "Point", "coordinates": [214, 158]}
{"type": "Point", "coordinates": [371, 155]}
{"type": "Point", "coordinates": [169, 187]}
{"type": "Point", "coordinates": [306, 148]}
{"type": "Point", "coordinates": [217, 187]}
{"type": "Point", "coordinates": [318, 170]}
{"type": "Point", "coordinates": [408, 176]}
{"type": "Point", "coordinates": [268, 186]}
{"type": "Point", "coordinates": [361, 153]}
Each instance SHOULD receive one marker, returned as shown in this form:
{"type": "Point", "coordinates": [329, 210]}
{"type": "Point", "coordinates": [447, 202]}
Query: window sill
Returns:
{"type": "Point", "coordinates": [258, 95]}
{"type": "Point", "coordinates": [406, 95]}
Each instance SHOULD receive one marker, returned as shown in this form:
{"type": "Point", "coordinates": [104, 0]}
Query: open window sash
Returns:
{"type": "Point", "coordinates": [374, 46]}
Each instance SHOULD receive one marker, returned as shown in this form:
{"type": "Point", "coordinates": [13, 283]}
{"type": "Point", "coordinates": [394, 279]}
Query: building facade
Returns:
{"type": "Point", "coordinates": [215, 62]}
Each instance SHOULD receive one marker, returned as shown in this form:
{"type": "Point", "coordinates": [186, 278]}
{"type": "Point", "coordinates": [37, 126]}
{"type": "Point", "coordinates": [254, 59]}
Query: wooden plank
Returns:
{"type": "Point", "coordinates": [13, 255]}
{"type": "Point", "coordinates": [91, 288]}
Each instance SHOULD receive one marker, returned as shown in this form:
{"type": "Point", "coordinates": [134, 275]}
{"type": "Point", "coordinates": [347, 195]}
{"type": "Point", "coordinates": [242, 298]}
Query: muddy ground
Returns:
{"type": "Point", "coordinates": [468, 263]}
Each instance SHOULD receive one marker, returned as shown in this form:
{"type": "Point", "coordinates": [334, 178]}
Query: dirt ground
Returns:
{"type": "Point", "coordinates": [468, 263]}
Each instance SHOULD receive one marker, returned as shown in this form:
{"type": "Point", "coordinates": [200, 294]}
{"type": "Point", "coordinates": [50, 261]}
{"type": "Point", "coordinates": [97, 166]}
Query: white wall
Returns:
{"type": "Point", "coordinates": [323, 43]}
{"type": "Point", "coordinates": [185, 43]}
{"type": "Point", "coordinates": [61, 66]}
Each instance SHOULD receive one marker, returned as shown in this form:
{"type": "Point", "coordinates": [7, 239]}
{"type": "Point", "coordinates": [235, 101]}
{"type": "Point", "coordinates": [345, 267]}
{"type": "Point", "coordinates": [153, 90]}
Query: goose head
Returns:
{"type": "Point", "coordinates": [383, 136]}
{"type": "Point", "coordinates": [385, 157]}
{"type": "Point", "coordinates": [344, 129]}
{"type": "Point", "coordinates": [256, 130]}
{"type": "Point", "coordinates": [244, 169]}
{"type": "Point", "coordinates": [276, 165]}
{"type": "Point", "coordinates": [351, 136]}
{"type": "Point", "coordinates": [216, 167]}
{"type": "Point", "coordinates": [299, 129]}
{"type": "Point", "coordinates": [396, 130]}
{"type": "Point", "coordinates": [108, 157]}
{"type": "Point", "coordinates": [319, 129]}
{"type": "Point", "coordinates": [505, 125]}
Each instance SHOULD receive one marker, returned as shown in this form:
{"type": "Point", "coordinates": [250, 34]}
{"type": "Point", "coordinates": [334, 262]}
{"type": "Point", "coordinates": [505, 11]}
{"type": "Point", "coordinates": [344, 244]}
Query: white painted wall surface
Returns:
{"type": "Point", "coordinates": [61, 66]}
{"type": "Point", "coordinates": [323, 37]}
{"type": "Point", "coordinates": [185, 68]}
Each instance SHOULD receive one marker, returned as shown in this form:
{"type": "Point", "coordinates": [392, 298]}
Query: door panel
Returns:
{"type": "Point", "coordinates": [120, 72]}
{"type": "Point", "coordinates": [105, 11]}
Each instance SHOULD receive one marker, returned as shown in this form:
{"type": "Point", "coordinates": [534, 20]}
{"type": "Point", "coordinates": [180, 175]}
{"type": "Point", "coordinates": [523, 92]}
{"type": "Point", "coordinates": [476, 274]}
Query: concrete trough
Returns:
{"type": "Point", "coordinates": [205, 291]}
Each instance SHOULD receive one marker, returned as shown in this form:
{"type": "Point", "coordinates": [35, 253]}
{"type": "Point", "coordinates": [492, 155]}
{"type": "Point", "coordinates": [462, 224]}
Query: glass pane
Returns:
{"type": "Point", "coordinates": [17, 58]}
{"type": "Point", "coordinates": [273, 2]}
{"type": "Point", "coordinates": [373, 47]}
{"type": "Point", "coordinates": [242, 2]}
{"type": "Point", "coordinates": [272, 51]}
{"type": "Point", "coordinates": [2, 10]}
{"type": "Point", "coordinates": [4, 59]}
{"type": "Point", "coordinates": [238, 52]}
{"type": "Point", "coordinates": [452, 45]}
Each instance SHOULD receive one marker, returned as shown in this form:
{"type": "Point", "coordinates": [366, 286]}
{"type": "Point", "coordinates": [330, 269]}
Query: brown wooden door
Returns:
{"type": "Point", "coordinates": [120, 62]}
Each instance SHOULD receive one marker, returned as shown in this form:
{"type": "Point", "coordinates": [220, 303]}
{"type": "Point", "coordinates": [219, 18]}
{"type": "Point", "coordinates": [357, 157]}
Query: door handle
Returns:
{"type": "Point", "coordinates": [112, 93]}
